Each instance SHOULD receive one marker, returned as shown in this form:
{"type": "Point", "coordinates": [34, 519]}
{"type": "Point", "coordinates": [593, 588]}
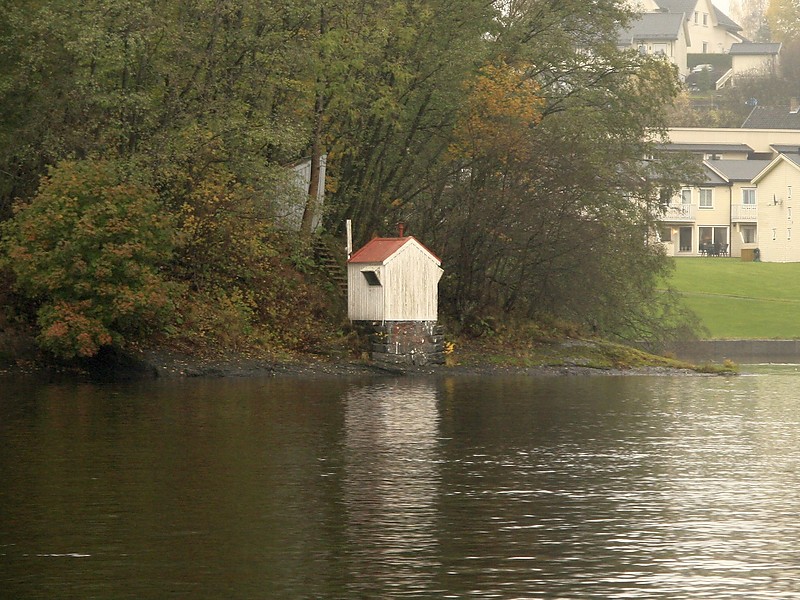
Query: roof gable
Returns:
{"type": "Point", "coordinates": [790, 159]}
{"type": "Point", "coordinates": [383, 250]}
{"type": "Point", "coordinates": [688, 7]}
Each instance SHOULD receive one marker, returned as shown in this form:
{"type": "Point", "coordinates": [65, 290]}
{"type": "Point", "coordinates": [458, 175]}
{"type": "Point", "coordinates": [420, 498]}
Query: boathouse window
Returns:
{"type": "Point", "coordinates": [371, 277]}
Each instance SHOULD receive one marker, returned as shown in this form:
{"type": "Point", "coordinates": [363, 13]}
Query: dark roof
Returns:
{"type": "Point", "coordinates": [652, 26]}
{"type": "Point", "coordinates": [772, 117]}
{"type": "Point", "coordinates": [678, 6]}
{"type": "Point", "coordinates": [707, 148]}
{"type": "Point", "coordinates": [712, 178]}
{"type": "Point", "coordinates": [738, 170]}
{"type": "Point", "coordinates": [752, 48]}
{"type": "Point", "coordinates": [688, 7]}
{"type": "Point", "coordinates": [786, 148]}
{"type": "Point", "coordinates": [725, 21]}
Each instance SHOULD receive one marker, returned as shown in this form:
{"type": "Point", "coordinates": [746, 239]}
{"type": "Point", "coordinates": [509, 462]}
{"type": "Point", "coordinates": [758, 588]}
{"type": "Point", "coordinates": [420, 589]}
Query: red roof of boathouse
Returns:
{"type": "Point", "coordinates": [379, 250]}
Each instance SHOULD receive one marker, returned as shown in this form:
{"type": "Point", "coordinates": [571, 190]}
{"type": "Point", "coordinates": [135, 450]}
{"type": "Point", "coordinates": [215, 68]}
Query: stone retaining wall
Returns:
{"type": "Point", "coordinates": [406, 342]}
{"type": "Point", "coordinates": [741, 351]}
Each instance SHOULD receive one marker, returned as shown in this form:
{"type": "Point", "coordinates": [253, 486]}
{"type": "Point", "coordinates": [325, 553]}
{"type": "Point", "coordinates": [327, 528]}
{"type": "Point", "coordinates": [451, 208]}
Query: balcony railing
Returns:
{"type": "Point", "coordinates": [744, 212]}
{"type": "Point", "coordinates": [683, 213]}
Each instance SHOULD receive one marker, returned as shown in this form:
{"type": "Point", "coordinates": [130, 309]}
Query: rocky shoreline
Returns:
{"type": "Point", "coordinates": [171, 365]}
{"type": "Point", "coordinates": [21, 357]}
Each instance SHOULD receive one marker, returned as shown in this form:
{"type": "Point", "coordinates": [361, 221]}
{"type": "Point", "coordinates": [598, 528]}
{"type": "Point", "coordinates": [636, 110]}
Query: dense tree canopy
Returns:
{"type": "Point", "coordinates": [509, 134]}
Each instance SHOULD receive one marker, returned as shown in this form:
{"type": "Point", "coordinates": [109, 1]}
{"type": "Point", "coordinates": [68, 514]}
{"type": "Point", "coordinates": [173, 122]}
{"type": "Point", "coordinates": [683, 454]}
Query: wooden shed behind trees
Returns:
{"type": "Point", "coordinates": [392, 288]}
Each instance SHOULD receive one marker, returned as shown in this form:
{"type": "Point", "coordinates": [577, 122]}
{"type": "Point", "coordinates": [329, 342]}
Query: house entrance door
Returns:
{"type": "Point", "coordinates": [685, 239]}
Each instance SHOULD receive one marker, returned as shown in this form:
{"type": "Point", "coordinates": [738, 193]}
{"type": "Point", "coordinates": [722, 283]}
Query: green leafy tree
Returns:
{"type": "Point", "coordinates": [555, 214]}
{"type": "Point", "coordinates": [395, 89]}
{"type": "Point", "coordinates": [88, 251]}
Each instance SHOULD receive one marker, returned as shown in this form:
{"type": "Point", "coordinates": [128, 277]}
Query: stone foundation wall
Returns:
{"type": "Point", "coordinates": [407, 342]}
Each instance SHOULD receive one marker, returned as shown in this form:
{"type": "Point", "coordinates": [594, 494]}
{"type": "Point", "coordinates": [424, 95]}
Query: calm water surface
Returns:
{"type": "Point", "coordinates": [586, 487]}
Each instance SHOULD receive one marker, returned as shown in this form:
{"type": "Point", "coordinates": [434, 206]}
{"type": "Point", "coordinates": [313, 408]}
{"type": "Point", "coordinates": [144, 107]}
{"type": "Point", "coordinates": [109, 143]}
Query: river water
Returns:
{"type": "Point", "coordinates": [465, 487]}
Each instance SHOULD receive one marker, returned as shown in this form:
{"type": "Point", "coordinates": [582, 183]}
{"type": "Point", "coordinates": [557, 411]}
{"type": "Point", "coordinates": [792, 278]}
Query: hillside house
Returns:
{"type": "Point", "coordinates": [291, 200]}
{"type": "Point", "coordinates": [684, 30]}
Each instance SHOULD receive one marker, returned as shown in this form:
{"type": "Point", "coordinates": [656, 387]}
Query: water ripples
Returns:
{"type": "Point", "coordinates": [617, 487]}
{"type": "Point", "coordinates": [672, 497]}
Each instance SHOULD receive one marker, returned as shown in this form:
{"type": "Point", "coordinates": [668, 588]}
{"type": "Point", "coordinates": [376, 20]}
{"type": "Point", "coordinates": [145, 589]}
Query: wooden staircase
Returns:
{"type": "Point", "coordinates": [332, 263]}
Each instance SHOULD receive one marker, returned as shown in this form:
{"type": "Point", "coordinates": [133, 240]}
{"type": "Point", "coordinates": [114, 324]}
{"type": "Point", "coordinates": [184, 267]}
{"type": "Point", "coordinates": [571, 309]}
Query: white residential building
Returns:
{"type": "Point", "coordinates": [746, 199]}
{"type": "Point", "coordinates": [682, 29]}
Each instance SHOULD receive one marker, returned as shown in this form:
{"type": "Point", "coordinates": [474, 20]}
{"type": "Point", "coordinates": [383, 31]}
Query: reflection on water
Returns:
{"type": "Point", "coordinates": [390, 486]}
{"type": "Point", "coordinates": [598, 487]}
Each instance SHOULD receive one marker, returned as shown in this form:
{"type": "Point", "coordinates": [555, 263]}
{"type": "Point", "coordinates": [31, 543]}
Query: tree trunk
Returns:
{"type": "Point", "coordinates": [312, 200]}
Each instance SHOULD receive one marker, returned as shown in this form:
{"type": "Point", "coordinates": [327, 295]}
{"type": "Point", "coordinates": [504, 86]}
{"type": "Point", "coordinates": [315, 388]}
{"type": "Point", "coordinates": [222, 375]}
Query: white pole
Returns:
{"type": "Point", "coordinates": [349, 227]}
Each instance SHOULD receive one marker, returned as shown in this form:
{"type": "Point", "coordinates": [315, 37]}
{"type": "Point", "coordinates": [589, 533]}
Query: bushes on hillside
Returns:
{"type": "Point", "coordinates": [87, 251]}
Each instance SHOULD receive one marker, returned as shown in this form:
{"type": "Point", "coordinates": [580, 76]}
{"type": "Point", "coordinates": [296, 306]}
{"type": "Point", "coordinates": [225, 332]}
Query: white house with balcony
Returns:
{"type": "Point", "coordinates": [778, 187]}
{"type": "Point", "coordinates": [739, 206]}
{"type": "Point", "coordinates": [718, 216]}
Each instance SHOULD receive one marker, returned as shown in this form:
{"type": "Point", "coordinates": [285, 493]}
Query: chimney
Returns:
{"type": "Point", "coordinates": [794, 105]}
{"type": "Point", "coordinates": [401, 229]}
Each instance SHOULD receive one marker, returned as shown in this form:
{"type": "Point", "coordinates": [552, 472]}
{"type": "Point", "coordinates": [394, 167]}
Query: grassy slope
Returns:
{"type": "Point", "coordinates": [736, 299]}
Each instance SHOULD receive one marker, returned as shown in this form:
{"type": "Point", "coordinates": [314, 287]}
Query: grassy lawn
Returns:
{"type": "Point", "coordinates": [736, 299]}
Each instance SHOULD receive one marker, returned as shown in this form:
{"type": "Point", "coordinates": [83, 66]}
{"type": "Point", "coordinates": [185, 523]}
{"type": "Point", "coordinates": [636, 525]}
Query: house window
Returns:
{"type": "Point", "coordinates": [774, 233]}
{"type": "Point", "coordinates": [371, 277]}
{"type": "Point", "coordinates": [686, 196]}
{"type": "Point", "coordinates": [788, 191]}
{"type": "Point", "coordinates": [713, 236]}
{"type": "Point", "coordinates": [749, 234]}
{"type": "Point", "coordinates": [789, 233]}
{"type": "Point", "coordinates": [749, 196]}
{"type": "Point", "coordinates": [705, 19]}
{"type": "Point", "coordinates": [666, 234]}
{"type": "Point", "coordinates": [705, 47]}
{"type": "Point", "coordinates": [696, 17]}
{"type": "Point", "coordinates": [706, 198]}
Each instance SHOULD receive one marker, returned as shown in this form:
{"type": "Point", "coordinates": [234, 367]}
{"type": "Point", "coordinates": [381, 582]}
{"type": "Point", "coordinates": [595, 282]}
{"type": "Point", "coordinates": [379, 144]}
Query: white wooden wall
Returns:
{"type": "Point", "coordinates": [409, 290]}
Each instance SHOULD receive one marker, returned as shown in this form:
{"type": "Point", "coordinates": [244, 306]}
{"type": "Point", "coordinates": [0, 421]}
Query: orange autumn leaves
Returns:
{"type": "Point", "coordinates": [502, 109]}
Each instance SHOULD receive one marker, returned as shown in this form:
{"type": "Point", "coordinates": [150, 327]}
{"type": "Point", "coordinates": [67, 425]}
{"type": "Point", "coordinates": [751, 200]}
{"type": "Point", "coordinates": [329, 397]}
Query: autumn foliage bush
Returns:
{"type": "Point", "coordinates": [87, 251]}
